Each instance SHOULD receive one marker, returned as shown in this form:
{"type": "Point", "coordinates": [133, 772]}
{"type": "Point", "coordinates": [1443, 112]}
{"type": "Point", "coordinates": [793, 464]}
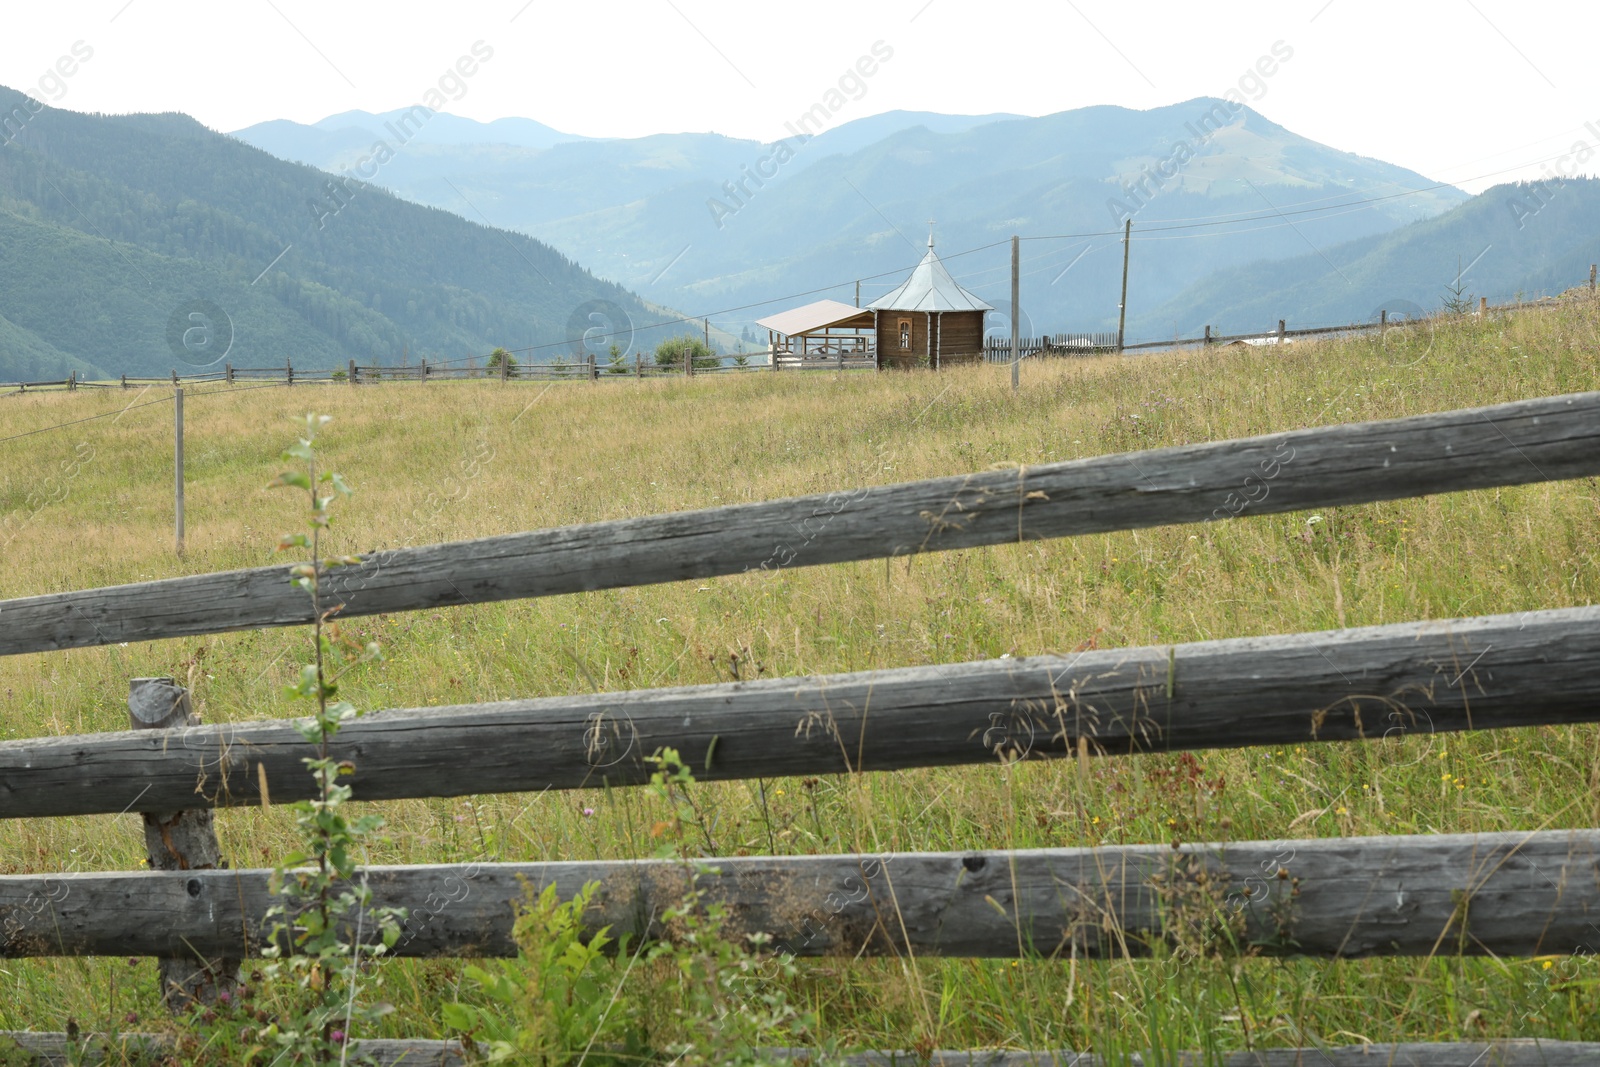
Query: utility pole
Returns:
{"type": "Point", "coordinates": [1122, 306]}
{"type": "Point", "coordinates": [858, 289]}
{"type": "Point", "coordinates": [178, 465]}
{"type": "Point", "coordinates": [1016, 313]}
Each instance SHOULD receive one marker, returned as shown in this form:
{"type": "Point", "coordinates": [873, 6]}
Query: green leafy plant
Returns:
{"type": "Point", "coordinates": [730, 996]}
{"type": "Point", "coordinates": [712, 999]}
{"type": "Point", "coordinates": [321, 894]}
{"type": "Point", "coordinates": [499, 356]}
{"type": "Point", "coordinates": [615, 363]}
{"type": "Point", "coordinates": [559, 1000]}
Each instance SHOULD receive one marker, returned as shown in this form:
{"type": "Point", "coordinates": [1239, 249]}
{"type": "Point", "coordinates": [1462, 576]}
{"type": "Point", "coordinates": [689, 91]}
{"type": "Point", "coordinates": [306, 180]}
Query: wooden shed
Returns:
{"type": "Point", "coordinates": [930, 321]}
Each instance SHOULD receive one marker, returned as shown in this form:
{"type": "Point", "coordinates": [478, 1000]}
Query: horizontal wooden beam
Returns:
{"type": "Point", "coordinates": [1505, 894]}
{"type": "Point", "coordinates": [60, 1050]}
{"type": "Point", "coordinates": [1394, 684]}
{"type": "Point", "coordinates": [51, 1050]}
{"type": "Point", "coordinates": [1508, 444]}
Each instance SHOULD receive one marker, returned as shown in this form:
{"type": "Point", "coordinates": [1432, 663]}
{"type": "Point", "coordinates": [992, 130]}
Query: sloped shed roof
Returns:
{"type": "Point", "coordinates": [930, 288]}
{"type": "Point", "coordinates": [816, 316]}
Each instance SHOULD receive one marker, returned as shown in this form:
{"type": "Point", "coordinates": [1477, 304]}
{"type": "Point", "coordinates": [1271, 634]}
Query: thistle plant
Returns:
{"type": "Point", "coordinates": [321, 895]}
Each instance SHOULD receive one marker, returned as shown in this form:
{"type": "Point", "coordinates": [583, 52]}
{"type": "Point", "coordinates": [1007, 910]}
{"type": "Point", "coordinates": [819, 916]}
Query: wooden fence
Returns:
{"type": "Point", "coordinates": [1530, 893]}
{"type": "Point", "coordinates": [995, 350]}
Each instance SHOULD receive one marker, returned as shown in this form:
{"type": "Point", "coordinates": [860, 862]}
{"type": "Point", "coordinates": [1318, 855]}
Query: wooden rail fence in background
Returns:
{"type": "Point", "coordinates": [995, 350]}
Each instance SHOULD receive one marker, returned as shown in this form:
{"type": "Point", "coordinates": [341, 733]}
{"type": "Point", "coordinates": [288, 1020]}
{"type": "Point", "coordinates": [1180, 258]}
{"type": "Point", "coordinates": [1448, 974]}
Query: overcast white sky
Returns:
{"type": "Point", "coordinates": [1454, 89]}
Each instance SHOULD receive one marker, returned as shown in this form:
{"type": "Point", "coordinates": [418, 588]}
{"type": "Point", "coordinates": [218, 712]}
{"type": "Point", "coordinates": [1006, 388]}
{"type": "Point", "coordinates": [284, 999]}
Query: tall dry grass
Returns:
{"type": "Point", "coordinates": [451, 461]}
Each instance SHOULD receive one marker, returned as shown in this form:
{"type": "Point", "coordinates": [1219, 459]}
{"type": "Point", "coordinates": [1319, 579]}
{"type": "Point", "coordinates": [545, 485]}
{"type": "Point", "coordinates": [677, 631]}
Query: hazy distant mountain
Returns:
{"type": "Point", "coordinates": [703, 222]}
{"type": "Point", "coordinates": [116, 231]}
{"type": "Point", "coordinates": [339, 140]}
{"type": "Point", "coordinates": [854, 136]}
{"type": "Point", "coordinates": [1503, 242]}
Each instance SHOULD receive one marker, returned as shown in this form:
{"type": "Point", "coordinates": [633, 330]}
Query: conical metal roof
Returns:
{"type": "Point", "coordinates": [930, 288]}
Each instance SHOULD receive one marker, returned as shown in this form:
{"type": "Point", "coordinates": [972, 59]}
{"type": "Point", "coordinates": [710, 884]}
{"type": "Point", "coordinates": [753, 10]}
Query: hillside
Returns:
{"type": "Point", "coordinates": [456, 460]}
{"type": "Point", "coordinates": [112, 228]}
{"type": "Point", "coordinates": [679, 217]}
{"type": "Point", "coordinates": [1505, 244]}
{"type": "Point", "coordinates": [25, 357]}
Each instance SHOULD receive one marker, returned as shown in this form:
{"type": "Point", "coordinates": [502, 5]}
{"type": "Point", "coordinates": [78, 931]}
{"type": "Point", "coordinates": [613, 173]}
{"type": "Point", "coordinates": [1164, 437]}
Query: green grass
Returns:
{"type": "Point", "coordinates": [449, 461]}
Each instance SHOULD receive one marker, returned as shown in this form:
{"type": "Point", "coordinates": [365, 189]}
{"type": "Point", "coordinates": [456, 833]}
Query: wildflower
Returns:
{"type": "Point", "coordinates": [1547, 965]}
{"type": "Point", "coordinates": [337, 1037]}
{"type": "Point", "coordinates": [587, 812]}
{"type": "Point", "coordinates": [1344, 811]}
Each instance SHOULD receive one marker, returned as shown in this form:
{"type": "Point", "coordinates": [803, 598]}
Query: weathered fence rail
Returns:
{"type": "Point", "coordinates": [58, 1050]}
{"type": "Point", "coordinates": [1453, 894]}
{"type": "Point", "coordinates": [1507, 444]}
{"type": "Point", "coordinates": [1406, 680]}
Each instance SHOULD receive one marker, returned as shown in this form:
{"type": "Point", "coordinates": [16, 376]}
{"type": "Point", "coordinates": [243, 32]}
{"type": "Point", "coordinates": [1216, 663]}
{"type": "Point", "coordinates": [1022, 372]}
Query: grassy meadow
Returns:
{"type": "Point", "coordinates": [461, 460]}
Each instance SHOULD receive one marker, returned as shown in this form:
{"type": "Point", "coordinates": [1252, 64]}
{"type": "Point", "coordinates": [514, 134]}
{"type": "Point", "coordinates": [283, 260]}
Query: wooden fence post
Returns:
{"type": "Point", "coordinates": [1281, 332]}
{"type": "Point", "coordinates": [1208, 334]}
{"type": "Point", "coordinates": [174, 379]}
{"type": "Point", "coordinates": [1383, 319]}
{"type": "Point", "coordinates": [177, 467]}
{"type": "Point", "coordinates": [423, 373]}
{"type": "Point", "coordinates": [638, 365]}
{"type": "Point", "coordinates": [288, 366]}
{"type": "Point", "coordinates": [124, 381]}
{"type": "Point", "coordinates": [350, 372]}
{"type": "Point", "coordinates": [180, 841]}
{"type": "Point", "coordinates": [505, 367]}
{"type": "Point", "coordinates": [594, 368]}
{"type": "Point", "coordinates": [227, 368]}
{"type": "Point", "coordinates": [1592, 267]}
{"type": "Point", "coordinates": [1483, 307]}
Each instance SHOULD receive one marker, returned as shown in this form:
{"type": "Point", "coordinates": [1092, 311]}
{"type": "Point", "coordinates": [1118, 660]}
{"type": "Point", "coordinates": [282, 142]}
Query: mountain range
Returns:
{"type": "Point", "coordinates": [704, 221]}
{"type": "Point", "coordinates": [1512, 241]}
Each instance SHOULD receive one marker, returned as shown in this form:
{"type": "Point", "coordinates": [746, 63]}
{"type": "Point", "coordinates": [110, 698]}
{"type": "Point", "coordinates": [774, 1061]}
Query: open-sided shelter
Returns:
{"type": "Point", "coordinates": [822, 330]}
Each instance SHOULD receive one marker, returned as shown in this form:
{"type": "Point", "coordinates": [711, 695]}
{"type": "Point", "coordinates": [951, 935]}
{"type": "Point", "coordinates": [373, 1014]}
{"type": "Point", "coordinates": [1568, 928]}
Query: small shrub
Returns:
{"type": "Point", "coordinates": [673, 352]}
{"type": "Point", "coordinates": [616, 363]}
